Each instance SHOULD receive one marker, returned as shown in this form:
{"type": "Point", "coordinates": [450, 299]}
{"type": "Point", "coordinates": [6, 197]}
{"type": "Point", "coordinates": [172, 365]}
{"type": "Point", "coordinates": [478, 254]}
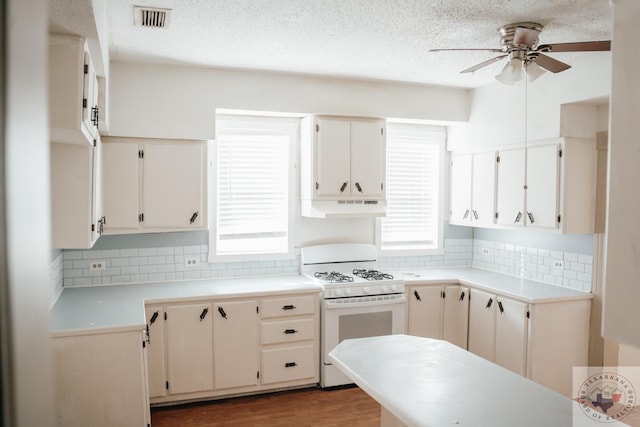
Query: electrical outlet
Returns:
{"type": "Point", "coordinates": [558, 263]}
{"type": "Point", "coordinates": [97, 265]}
{"type": "Point", "coordinates": [192, 261]}
{"type": "Point", "coordinates": [486, 251]}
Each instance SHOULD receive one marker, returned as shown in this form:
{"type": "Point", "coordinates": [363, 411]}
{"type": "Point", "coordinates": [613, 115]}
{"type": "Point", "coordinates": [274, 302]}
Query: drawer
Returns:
{"type": "Point", "coordinates": [289, 364]}
{"type": "Point", "coordinates": [285, 331]}
{"type": "Point", "coordinates": [289, 306]}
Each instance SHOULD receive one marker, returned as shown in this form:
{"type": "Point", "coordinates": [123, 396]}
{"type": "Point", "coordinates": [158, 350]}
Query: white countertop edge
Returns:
{"type": "Point", "coordinates": [98, 330]}
{"type": "Point", "coordinates": [304, 289]}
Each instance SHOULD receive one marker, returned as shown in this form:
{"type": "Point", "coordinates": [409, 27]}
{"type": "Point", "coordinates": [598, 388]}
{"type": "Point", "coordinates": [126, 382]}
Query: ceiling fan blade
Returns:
{"type": "Point", "coordinates": [484, 64]}
{"type": "Point", "coordinates": [480, 49]}
{"type": "Point", "coordinates": [525, 36]}
{"type": "Point", "coordinates": [576, 47]}
{"type": "Point", "coordinates": [549, 63]}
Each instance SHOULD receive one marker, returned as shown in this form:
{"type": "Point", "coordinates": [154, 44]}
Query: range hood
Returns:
{"type": "Point", "coordinates": [343, 208]}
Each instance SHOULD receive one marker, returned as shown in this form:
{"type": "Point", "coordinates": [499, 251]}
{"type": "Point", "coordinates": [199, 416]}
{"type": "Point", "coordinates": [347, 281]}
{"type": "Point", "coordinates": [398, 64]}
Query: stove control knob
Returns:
{"type": "Point", "coordinates": [393, 288]}
{"type": "Point", "coordinates": [338, 292]}
{"type": "Point", "coordinates": [366, 290]}
{"type": "Point", "coordinates": [328, 292]}
{"type": "Point", "coordinates": [385, 289]}
{"type": "Point", "coordinates": [347, 291]}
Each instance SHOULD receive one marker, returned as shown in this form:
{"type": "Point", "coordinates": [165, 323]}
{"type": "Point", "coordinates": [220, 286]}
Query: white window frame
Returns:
{"type": "Point", "coordinates": [267, 123]}
{"type": "Point", "coordinates": [438, 247]}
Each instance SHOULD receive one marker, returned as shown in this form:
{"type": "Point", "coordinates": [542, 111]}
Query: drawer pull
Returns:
{"type": "Point", "coordinates": [417, 295]}
{"type": "Point", "coordinates": [222, 312]}
{"type": "Point", "coordinates": [290, 364]}
{"type": "Point", "coordinates": [489, 303]}
{"type": "Point", "coordinates": [203, 314]}
{"type": "Point", "coordinates": [288, 307]}
{"type": "Point", "coordinates": [290, 331]}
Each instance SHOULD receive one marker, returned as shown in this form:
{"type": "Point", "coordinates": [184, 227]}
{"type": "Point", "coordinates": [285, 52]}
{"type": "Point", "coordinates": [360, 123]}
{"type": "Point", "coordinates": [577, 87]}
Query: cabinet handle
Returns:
{"type": "Point", "coordinates": [193, 217]}
{"type": "Point", "coordinates": [222, 312]}
{"type": "Point", "coordinates": [530, 215]}
{"type": "Point", "coordinates": [489, 303]}
{"type": "Point", "coordinates": [500, 307]}
{"type": "Point", "coordinates": [358, 187]}
{"type": "Point", "coordinates": [204, 314]}
{"type": "Point", "coordinates": [290, 364]}
{"type": "Point", "coordinates": [288, 307]}
{"type": "Point", "coordinates": [475, 214]}
{"type": "Point", "coordinates": [153, 318]}
{"type": "Point", "coordinates": [466, 214]}
{"type": "Point", "coordinates": [290, 331]}
{"type": "Point", "coordinates": [518, 217]}
{"type": "Point", "coordinates": [344, 185]}
{"type": "Point", "coordinates": [417, 295]}
{"type": "Point", "coordinates": [461, 296]}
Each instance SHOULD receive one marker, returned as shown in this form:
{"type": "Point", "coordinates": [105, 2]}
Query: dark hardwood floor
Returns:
{"type": "Point", "coordinates": [300, 408]}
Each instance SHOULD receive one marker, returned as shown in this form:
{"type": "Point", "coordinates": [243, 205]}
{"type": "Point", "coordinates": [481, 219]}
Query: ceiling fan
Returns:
{"type": "Point", "coordinates": [519, 43]}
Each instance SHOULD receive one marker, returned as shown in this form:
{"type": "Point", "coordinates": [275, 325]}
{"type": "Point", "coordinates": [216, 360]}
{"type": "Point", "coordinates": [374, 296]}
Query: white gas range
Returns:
{"type": "Point", "coordinates": [358, 300]}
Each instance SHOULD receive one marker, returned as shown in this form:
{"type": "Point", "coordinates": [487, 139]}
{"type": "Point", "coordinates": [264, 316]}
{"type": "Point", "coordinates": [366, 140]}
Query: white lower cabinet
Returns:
{"type": "Point", "coordinates": [189, 330]}
{"type": "Point", "coordinates": [438, 311]}
{"type": "Point", "coordinates": [235, 332]}
{"type": "Point", "coordinates": [498, 330]}
{"type": "Point", "coordinates": [101, 380]}
{"type": "Point", "coordinates": [232, 346]}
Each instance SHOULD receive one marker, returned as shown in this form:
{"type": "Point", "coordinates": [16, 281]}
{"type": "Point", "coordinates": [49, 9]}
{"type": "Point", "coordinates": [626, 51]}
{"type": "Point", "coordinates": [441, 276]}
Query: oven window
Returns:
{"type": "Point", "coordinates": [365, 325]}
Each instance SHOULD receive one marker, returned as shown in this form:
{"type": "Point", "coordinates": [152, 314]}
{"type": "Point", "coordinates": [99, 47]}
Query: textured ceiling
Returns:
{"type": "Point", "coordinates": [371, 39]}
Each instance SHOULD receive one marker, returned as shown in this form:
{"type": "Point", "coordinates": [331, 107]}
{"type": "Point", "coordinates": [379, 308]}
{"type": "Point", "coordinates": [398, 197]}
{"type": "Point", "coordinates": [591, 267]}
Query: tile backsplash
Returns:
{"type": "Point", "coordinates": [72, 268]}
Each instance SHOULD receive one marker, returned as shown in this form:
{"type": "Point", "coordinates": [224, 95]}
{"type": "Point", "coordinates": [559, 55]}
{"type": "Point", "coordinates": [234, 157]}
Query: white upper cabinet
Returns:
{"type": "Point", "coordinates": [152, 185]}
{"type": "Point", "coordinates": [473, 180]}
{"type": "Point", "coordinates": [559, 191]}
{"type": "Point", "coordinates": [76, 186]}
{"type": "Point", "coordinates": [73, 91]}
{"type": "Point", "coordinates": [343, 158]}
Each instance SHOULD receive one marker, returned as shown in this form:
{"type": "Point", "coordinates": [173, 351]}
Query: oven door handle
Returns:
{"type": "Point", "coordinates": [331, 305]}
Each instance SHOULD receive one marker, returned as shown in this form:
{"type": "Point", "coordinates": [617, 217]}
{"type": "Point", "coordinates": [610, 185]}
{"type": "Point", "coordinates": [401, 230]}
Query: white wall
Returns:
{"type": "Point", "coordinates": [180, 102]}
{"type": "Point", "coordinates": [25, 229]}
{"type": "Point", "coordinates": [622, 266]}
{"type": "Point", "coordinates": [498, 111]}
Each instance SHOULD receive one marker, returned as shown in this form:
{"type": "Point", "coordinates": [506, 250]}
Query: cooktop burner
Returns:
{"type": "Point", "coordinates": [333, 277]}
{"type": "Point", "coordinates": [372, 274]}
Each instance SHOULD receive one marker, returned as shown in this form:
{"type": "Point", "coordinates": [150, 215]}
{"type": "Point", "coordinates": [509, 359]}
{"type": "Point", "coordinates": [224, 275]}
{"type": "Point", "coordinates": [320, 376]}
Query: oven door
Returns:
{"type": "Point", "coordinates": [357, 318]}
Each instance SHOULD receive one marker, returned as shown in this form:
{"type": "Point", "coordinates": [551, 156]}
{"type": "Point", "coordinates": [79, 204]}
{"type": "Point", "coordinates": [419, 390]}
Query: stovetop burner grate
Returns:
{"type": "Point", "coordinates": [333, 277]}
{"type": "Point", "coordinates": [372, 274]}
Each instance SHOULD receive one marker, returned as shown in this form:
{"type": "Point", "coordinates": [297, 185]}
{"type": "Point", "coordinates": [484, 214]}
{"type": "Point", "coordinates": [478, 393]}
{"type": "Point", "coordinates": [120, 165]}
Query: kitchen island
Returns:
{"type": "Point", "coordinates": [421, 382]}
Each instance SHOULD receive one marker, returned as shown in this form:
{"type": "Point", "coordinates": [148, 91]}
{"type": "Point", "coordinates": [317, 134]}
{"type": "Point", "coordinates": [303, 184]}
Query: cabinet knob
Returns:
{"type": "Point", "coordinates": [193, 217]}
{"type": "Point", "coordinates": [489, 303]}
{"type": "Point", "coordinates": [518, 217]}
{"type": "Point", "coordinates": [222, 312]}
{"type": "Point", "coordinates": [290, 364]}
{"type": "Point", "coordinates": [358, 187]}
{"type": "Point", "coordinates": [288, 307]}
{"type": "Point", "coordinates": [466, 214]}
{"type": "Point", "coordinates": [417, 295]}
{"type": "Point", "coordinates": [290, 331]}
{"type": "Point", "coordinates": [204, 314]}
{"type": "Point", "coordinates": [530, 215]}
{"type": "Point", "coordinates": [344, 185]}
{"type": "Point", "coordinates": [153, 318]}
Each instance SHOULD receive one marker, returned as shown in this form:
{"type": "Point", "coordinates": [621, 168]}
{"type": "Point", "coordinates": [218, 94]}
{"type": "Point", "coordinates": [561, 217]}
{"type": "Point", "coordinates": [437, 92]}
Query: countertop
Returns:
{"type": "Point", "coordinates": [522, 289]}
{"type": "Point", "coordinates": [95, 309]}
{"type": "Point", "coordinates": [100, 309]}
{"type": "Point", "coordinates": [427, 382]}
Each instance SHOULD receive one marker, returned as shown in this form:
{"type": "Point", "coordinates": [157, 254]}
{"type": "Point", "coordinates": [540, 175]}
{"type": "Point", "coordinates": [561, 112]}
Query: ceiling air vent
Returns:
{"type": "Point", "coordinates": [151, 17]}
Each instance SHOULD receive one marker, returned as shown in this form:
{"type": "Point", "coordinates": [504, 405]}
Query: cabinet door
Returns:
{"type": "Point", "coordinates": [482, 324]}
{"type": "Point", "coordinates": [235, 332]}
{"type": "Point", "coordinates": [425, 312]}
{"type": "Point", "coordinates": [368, 153]}
{"type": "Point", "coordinates": [189, 348]}
{"type": "Point", "coordinates": [121, 168]}
{"type": "Point", "coordinates": [483, 190]}
{"type": "Point", "coordinates": [511, 334]}
{"type": "Point", "coordinates": [173, 185]}
{"type": "Point", "coordinates": [542, 186]}
{"type": "Point", "coordinates": [156, 351]}
{"type": "Point", "coordinates": [511, 187]}
{"type": "Point", "coordinates": [456, 315]}
{"type": "Point", "coordinates": [72, 196]}
{"type": "Point", "coordinates": [460, 200]}
{"type": "Point", "coordinates": [332, 156]}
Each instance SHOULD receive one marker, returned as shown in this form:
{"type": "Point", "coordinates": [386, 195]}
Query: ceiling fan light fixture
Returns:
{"type": "Point", "coordinates": [512, 73]}
{"type": "Point", "coordinates": [533, 71]}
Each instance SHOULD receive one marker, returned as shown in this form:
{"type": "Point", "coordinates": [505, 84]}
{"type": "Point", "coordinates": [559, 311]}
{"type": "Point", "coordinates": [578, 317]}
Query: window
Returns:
{"type": "Point", "coordinates": [415, 190]}
{"type": "Point", "coordinates": [253, 187]}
